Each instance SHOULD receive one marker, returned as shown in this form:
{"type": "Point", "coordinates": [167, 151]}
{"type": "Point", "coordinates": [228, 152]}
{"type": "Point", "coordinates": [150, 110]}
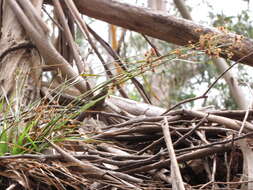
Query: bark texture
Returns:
{"type": "Point", "coordinates": [20, 62]}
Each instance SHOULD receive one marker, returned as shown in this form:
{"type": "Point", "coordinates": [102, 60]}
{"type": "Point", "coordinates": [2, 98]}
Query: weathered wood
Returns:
{"type": "Point", "coordinates": [20, 81]}
{"type": "Point", "coordinates": [161, 26]}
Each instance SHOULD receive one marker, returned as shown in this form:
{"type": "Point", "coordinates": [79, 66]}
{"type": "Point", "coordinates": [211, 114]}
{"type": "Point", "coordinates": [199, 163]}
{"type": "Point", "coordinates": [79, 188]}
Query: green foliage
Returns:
{"type": "Point", "coordinates": [241, 24]}
{"type": "Point", "coordinates": [3, 140]}
{"type": "Point", "coordinates": [19, 135]}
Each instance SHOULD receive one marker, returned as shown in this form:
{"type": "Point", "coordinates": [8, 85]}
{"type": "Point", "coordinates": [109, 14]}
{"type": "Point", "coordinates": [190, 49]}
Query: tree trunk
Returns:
{"type": "Point", "coordinates": [160, 89]}
{"type": "Point", "coordinates": [20, 61]}
{"type": "Point", "coordinates": [159, 5]}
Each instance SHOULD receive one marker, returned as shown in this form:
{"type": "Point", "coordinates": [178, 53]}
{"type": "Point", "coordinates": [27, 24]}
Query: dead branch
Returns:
{"type": "Point", "coordinates": [163, 26]}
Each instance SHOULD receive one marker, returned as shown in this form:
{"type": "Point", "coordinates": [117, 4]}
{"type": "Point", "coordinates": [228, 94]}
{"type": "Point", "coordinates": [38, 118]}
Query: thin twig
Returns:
{"type": "Point", "coordinates": [183, 102]}
{"type": "Point", "coordinates": [190, 132]}
{"type": "Point", "coordinates": [83, 27]}
{"type": "Point", "coordinates": [158, 141]}
{"type": "Point", "coordinates": [215, 143]}
{"type": "Point", "coordinates": [204, 95]}
{"type": "Point", "coordinates": [247, 111]}
{"type": "Point", "coordinates": [177, 181]}
{"type": "Point", "coordinates": [152, 45]}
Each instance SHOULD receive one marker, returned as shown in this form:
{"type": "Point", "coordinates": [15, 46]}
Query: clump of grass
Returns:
{"type": "Point", "coordinates": [26, 132]}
